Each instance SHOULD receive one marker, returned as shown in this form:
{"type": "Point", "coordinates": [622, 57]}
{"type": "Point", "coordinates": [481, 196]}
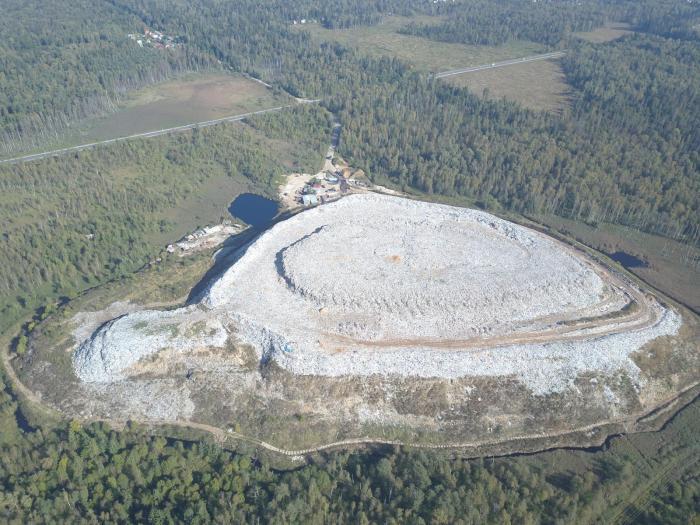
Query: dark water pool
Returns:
{"type": "Point", "coordinates": [627, 260]}
{"type": "Point", "coordinates": [253, 209]}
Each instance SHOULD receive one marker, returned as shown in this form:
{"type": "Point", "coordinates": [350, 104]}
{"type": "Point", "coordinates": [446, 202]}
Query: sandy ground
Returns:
{"type": "Point", "coordinates": [289, 191]}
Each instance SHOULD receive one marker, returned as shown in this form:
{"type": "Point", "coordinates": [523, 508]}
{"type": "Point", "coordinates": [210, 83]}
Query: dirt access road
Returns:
{"type": "Point", "coordinates": [335, 139]}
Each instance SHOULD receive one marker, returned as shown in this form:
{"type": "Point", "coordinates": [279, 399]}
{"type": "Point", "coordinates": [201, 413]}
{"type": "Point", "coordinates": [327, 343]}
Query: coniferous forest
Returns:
{"type": "Point", "coordinates": [626, 151]}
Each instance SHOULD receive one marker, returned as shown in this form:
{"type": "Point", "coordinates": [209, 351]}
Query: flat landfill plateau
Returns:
{"type": "Point", "coordinates": [376, 311]}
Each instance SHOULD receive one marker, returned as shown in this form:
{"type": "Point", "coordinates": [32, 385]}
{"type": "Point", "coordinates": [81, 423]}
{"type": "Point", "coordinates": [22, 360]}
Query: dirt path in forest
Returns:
{"type": "Point", "coordinates": [221, 436]}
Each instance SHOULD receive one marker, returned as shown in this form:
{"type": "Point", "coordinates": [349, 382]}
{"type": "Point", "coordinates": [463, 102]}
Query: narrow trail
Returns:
{"type": "Point", "coordinates": [221, 436]}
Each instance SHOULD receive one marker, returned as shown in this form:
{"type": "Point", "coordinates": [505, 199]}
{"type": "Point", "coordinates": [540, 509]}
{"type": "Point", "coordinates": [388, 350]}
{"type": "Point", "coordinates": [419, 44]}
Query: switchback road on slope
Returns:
{"type": "Point", "coordinates": [156, 133]}
{"type": "Point", "coordinates": [504, 63]}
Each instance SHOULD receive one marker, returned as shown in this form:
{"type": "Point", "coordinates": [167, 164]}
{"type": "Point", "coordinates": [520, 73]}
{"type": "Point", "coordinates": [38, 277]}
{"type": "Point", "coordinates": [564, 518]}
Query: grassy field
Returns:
{"type": "Point", "coordinates": [189, 99]}
{"type": "Point", "coordinates": [673, 268]}
{"type": "Point", "coordinates": [422, 53]}
{"type": "Point", "coordinates": [537, 85]}
{"type": "Point", "coordinates": [607, 33]}
{"type": "Point", "coordinates": [194, 98]}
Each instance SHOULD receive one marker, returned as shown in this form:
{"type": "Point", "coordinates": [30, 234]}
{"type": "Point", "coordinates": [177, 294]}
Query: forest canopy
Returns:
{"type": "Point", "coordinates": [72, 62]}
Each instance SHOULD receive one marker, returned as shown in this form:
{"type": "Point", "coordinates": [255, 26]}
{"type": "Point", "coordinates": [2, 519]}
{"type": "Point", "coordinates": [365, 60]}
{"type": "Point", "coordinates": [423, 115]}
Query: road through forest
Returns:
{"type": "Point", "coordinates": [504, 63]}
{"type": "Point", "coordinates": [243, 116]}
{"type": "Point", "coordinates": [156, 133]}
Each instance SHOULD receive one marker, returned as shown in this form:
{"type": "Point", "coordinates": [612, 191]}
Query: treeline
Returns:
{"type": "Point", "coordinates": [86, 474]}
{"type": "Point", "coordinates": [76, 221]}
{"type": "Point", "coordinates": [642, 95]}
{"type": "Point", "coordinates": [64, 61]}
{"type": "Point", "coordinates": [343, 14]}
{"type": "Point", "coordinates": [667, 18]}
{"type": "Point", "coordinates": [553, 22]}
{"type": "Point", "coordinates": [487, 22]}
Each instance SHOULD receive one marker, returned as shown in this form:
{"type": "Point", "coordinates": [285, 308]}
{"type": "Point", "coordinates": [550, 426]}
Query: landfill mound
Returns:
{"type": "Point", "coordinates": [377, 285]}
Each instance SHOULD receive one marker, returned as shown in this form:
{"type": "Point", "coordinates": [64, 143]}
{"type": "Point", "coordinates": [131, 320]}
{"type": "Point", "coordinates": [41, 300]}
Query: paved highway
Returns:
{"type": "Point", "coordinates": [148, 134]}
{"type": "Point", "coordinates": [493, 65]}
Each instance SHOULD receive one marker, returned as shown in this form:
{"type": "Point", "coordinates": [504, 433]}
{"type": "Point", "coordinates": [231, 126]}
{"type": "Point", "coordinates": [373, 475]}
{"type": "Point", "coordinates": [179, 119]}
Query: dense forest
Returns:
{"type": "Point", "coordinates": [484, 22]}
{"type": "Point", "coordinates": [342, 14]}
{"type": "Point", "coordinates": [73, 61]}
{"type": "Point", "coordinates": [627, 155]}
{"type": "Point", "coordinates": [553, 22]}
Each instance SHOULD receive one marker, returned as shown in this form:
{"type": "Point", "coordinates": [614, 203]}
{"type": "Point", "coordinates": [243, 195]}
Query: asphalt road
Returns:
{"type": "Point", "coordinates": [156, 133]}
{"type": "Point", "coordinates": [504, 63]}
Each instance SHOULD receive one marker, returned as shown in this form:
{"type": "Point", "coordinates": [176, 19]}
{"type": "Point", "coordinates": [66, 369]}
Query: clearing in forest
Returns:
{"type": "Point", "coordinates": [385, 40]}
{"type": "Point", "coordinates": [189, 99]}
{"type": "Point", "coordinates": [539, 85]}
{"type": "Point", "coordinates": [607, 33]}
{"type": "Point", "coordinates": [194, 98]}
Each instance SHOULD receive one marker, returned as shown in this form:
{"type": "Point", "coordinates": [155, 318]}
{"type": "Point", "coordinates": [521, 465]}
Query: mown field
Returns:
{"type": "Point", "coordinates": [194, 98]}
{"type": "Point", "coordinates": [537, 85]}
{"type": "Point", "coordinates": [424, 54]}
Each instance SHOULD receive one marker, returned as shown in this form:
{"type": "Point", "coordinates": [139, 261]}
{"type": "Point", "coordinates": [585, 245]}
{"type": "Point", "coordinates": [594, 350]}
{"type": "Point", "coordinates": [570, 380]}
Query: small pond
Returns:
{"type": "Point", "coordinates": [254, 209]}
{"type": "Point", "coordinates": [627, 260]}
